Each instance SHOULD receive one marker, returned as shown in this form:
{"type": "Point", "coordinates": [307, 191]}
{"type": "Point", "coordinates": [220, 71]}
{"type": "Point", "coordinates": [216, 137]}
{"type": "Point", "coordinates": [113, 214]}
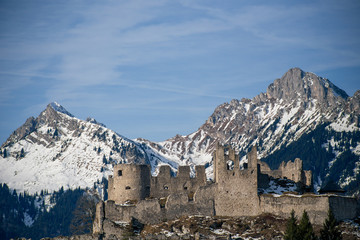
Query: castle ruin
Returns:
{"type": "Point", "coordinates": [134, 193]}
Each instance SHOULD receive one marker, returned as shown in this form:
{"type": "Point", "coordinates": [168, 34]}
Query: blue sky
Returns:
{"type": "Point", "coordinates": [154, 69]}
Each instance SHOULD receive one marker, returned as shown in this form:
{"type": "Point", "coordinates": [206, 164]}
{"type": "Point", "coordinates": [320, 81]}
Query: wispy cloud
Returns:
{"type": "Point", "coordinates": [146, 54]}
{"type": "Point", "coordinates": [98, 39]}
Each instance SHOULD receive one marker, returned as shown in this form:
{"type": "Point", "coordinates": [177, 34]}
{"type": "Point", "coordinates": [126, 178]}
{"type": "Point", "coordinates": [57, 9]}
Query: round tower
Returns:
{"type": "Point", "coordinates": [129, 183]}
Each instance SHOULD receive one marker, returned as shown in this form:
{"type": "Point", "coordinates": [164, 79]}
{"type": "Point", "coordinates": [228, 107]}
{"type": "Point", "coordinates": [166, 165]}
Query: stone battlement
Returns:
{"type": "Point", "coordinates": [134, 193]}
{"type": "Point", "coordinates": [134, 182]}
{"type": "Point", "coordinates": [164, 184]}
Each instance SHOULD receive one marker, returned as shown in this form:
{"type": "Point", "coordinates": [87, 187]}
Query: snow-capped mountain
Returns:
{"type": "Point", "coordinates": [293, 106]}
{"type": "Point", "coordinates": [56, 149]}
{"type": "Point", "coordinates": [300, 115]}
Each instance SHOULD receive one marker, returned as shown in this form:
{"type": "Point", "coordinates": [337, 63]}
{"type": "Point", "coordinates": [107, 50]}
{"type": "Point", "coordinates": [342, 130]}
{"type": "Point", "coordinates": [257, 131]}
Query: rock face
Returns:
{"type": "Point", "coordinates": [296, 84]}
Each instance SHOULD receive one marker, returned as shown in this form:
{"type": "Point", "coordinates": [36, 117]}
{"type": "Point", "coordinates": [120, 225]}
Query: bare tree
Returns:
{"type": "Point", "coordinates": [83, 215]}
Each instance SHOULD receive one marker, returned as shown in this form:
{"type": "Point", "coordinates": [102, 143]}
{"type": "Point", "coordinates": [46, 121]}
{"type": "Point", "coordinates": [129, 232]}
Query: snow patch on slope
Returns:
{"type": "Point", "coordinates": [57, 107]}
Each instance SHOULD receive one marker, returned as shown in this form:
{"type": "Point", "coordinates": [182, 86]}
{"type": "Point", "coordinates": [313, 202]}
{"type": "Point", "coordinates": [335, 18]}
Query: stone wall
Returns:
{"type": "Point", "coordinates": [99, 218]}
{"type": "Point", "coordinates": [292, 170]}
{"type": "Point", "coordinates": [344, 207]}
{"type": "Point", "coordinates": [234, 193]}
{"type": "Point", "coordinates": [315, 205]}
{"type": "Point", "coordinates": [151, 211]}
{"type": "Point", "coordinates": [164, 184]}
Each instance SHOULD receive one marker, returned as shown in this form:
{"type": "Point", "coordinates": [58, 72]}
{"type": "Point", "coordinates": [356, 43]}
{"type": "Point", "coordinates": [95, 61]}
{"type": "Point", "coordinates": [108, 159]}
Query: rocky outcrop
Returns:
{"type": "Point", "coordinates": [296, 83]}
{"type": "Point", "coordinates": [28, 127]}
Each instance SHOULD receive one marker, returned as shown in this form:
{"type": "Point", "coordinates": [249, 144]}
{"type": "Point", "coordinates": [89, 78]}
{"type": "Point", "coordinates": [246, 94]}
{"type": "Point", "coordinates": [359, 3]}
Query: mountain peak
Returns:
{"type": "Point", "coordinates": [93, 120]}
{"type": "Point", "coordinates": [296, 83]}
{"type": "Point", "coordinates": [57, 107]}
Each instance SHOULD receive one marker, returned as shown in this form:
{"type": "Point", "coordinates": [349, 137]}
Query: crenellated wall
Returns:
{"type": "Point", "coordinates": [152, 211]}
{"type": "Point", "coordinates": [164, 184]}
{"type": "Point", "coordinates": [234, 193]}
{"type": "Point", "coordinates": [292, 170]}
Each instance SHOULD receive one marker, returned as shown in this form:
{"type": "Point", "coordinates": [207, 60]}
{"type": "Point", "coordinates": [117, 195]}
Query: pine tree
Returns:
{"type": "Point", "coordinates": [330, 230]}
{"type": "Point", "coordinates": [330, 148]}
{"type": "Point", "coordinates": [291, 228]}
{"type": "Point", "coordinates": [305, 230]}
{"type": "Point", "coordinates": [22, 153]}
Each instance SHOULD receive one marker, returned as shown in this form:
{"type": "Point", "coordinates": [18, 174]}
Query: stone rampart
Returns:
{"type": "Point", "coordinates": [152, 211]}
{"type": "Point", "coordinates": [315, 205]}
{"type": "Point", "coordinates": [164, 184]}
{"type": "Point", "coordinates": [344, 207]}
{"type": "Point", "coordinates": [234, 193]}
{"type": "Point", "coordinates": [292, 170]}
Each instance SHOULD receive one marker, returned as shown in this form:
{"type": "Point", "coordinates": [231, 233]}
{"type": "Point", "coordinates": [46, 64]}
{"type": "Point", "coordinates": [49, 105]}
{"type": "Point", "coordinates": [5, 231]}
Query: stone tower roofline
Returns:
{"type": "Point", "coordinates": [227, 162]}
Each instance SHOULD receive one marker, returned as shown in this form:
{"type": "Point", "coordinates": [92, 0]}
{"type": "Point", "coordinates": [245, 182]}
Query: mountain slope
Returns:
{"type": "Point", "coordinates": [293, 106]}
{"type": "Point", "coordinates": [56, 149]}
{"type": "Point", "coordinates": [300, 115]}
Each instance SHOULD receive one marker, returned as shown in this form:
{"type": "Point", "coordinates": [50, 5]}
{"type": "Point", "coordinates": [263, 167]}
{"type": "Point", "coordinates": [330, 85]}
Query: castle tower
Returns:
{"type": "Point", "coordinates": [219, 161]}
{"type": "Point", "coordinates": [252, 158]}
{"type": "Point", "coordinates": [129, 182]}
{"type": "Point", "coordinates": [236, 190]}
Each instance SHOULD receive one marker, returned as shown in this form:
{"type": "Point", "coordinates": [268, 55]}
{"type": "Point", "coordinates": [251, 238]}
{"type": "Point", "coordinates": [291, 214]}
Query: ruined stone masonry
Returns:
{"type": "Point", "coordinates": [135, 194]}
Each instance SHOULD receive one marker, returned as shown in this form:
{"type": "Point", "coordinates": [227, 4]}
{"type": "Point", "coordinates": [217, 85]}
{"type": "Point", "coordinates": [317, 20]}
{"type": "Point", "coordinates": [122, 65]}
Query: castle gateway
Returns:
{"type": "Point", "coordinates": [134, 193]}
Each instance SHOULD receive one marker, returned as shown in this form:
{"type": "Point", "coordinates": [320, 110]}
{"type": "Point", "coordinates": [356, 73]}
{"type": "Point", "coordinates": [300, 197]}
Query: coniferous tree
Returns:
{"type": "Point", "coordinates": [305, 229]}
{"type": "Point", "coordinates": [56, 133]}
{"type": "Point", "coordinates": [330, 230]}
{"type": "Point", "coordinates": [22, 153]}
{"type": "Point", "coordinates": [291, 228]}
{"type": "Point", "coordinates": [330, 148]}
